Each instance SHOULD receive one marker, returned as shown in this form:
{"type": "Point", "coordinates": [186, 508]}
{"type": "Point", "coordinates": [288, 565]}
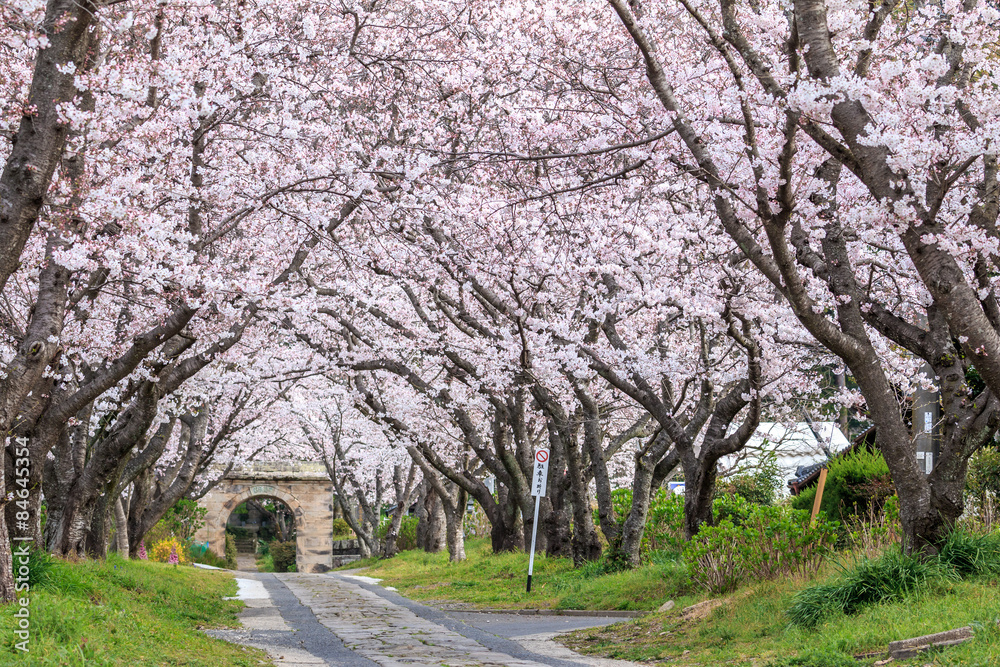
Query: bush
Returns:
{"type": "Point", "coordinates": [895, 575]}
{"type": "Point", "coordinates": [664, 523]}
{"type": "Point", "coordinates": [265, 563]}
{"type": "Point", "coordinates": [771, 541]}
{"type": "Point", "coordinates": [160, 551]}
{"type": "Point", "coordinates": [341, 528]}
{"type": "Point", "coordinates": [758, 487]}
{"type": "Point", "coordinates": [230, 551]}
{"type": "Point", "coordinates": [855, 484]}
{"type": "Point", "coordinates": [283, 555]}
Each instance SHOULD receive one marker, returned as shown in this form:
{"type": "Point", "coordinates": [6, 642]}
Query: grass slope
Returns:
{"type": "Point", "coordinates": [498, 581]}
{"type": "Point", "coordinates": [752, 628]}
{"type": "Point", "coordinates": [132, 613]}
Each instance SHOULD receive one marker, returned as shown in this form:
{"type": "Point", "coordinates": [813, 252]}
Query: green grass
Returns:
{"type": "Point", "coordinates": [492, 580]}
{"type": "Point", "coordinates": [119, 612]}
{"type": "Point", "coordinates": [752, 629]}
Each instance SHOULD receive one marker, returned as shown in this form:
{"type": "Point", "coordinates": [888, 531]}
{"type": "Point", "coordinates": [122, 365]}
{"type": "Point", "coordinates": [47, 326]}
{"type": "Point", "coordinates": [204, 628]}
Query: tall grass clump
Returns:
{"type": "Point", "coordinates": [971, 555]}
{"type": "Point", "coordinates": [889, 578]}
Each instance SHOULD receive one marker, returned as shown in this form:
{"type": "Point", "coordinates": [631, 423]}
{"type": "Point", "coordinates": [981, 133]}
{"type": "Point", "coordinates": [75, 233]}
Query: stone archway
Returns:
{"type": "Point", "coordinates": [303, 487]}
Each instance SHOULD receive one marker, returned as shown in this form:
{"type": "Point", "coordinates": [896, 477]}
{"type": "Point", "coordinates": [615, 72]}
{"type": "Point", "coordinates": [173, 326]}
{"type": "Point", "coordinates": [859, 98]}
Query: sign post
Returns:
{"type": "Point", "coordinates": [539, 480]}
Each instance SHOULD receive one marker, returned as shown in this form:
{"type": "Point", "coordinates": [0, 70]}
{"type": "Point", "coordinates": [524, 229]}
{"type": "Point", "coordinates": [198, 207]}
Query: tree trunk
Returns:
{"type": "Point", "coordinates": [7, 592]}
{"type": "Point", "coordinates": [403, 493]}
{"type": "Point", "coordinates": [455, 529]}
{"type": "Point", "coordinates": [646, 460]}
{"type": "Point", "coordinates": [431, 525]}
{"type": "Point", "coordinates": [121, 529]}
{"type": "Point", "coordinates": [586, 546]}
{"type": "Point", "coordinates": [699, 492]}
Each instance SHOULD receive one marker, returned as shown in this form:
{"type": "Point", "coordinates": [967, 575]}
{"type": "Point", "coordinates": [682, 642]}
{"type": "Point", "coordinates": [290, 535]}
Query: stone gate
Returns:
{"type": "Point", "coordinates": [303, 486]}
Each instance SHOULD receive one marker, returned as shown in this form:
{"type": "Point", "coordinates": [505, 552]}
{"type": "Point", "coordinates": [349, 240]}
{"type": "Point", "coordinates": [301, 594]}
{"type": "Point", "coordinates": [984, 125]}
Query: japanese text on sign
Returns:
{"type": "Point", "coordinates": [541, 474]}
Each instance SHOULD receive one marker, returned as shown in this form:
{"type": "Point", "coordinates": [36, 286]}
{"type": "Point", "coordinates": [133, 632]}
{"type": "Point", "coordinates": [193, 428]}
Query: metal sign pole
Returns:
{"type": "Point", "coordinates": [534, 532]}
{"type": "Point", "coordinates": [539, 481]}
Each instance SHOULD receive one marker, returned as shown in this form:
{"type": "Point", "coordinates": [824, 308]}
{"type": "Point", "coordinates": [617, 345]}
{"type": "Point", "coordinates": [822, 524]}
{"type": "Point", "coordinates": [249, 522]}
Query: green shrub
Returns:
{"type": "Point", "coordinates": [771, 541]}
{"type": "Point", "coordinates": [759, 486]}
{"type": "Point", "coordinates": [230, 552]}
{"type": "Point", "coordinates": [855, 484]}
{"type": "Point", "coordinates": [734, 508]}
{"type": "Point", "coordinates": [283, 555]}
{"type": "Point", "coordinates": [184, 519]}
{"type": "Point", "coordinates": [407, 538]}
{"type": "Point", "coordinates": [664, 523]}
{"type": "Point", "coordinates": [889, 578]}
{"type": "Point", "coordinates": [341, 528]}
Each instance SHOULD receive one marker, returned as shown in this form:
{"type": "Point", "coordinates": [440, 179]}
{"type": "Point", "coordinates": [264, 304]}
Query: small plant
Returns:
{"type": "Point", "coordinates": [818, 658]}
{"type": "Point", "coordinates": [142, 550]}
{"type": "Point", "coordinates": [40, 564]}
{"type": "Point", "coordinates": [184, 519]}
{"type": "Point", "coordinates": [872, 533]}
{"type": "Point", "coordinates": [230, 551]}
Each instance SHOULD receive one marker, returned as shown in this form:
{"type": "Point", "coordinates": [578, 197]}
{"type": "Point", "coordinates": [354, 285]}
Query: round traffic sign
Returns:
{"type": "Point", "coordinates": [542, 455]}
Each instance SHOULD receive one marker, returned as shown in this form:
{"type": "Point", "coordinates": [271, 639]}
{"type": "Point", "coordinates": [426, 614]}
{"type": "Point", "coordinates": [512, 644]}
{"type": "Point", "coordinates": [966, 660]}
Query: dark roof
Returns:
{"type": "Point", "coordinates": [806, 476]}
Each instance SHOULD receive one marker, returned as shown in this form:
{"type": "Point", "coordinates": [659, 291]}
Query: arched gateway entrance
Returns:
{"type": "Point", "coordinates": [304, 487]}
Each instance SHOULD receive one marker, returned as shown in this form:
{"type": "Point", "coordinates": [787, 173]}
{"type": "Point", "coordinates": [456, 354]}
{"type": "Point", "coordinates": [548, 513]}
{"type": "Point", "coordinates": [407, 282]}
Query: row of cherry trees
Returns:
{"type": "Point", "coordinates": [419, 240]}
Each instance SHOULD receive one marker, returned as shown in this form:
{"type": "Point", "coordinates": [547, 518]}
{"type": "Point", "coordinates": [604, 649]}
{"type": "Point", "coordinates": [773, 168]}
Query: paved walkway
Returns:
{"type": "Point", "coordinates": [312, 619]}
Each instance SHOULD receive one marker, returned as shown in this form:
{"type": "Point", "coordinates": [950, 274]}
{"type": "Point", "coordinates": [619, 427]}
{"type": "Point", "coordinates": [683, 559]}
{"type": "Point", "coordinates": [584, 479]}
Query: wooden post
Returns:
{"type": "Point", "coordinates": [819, 494]}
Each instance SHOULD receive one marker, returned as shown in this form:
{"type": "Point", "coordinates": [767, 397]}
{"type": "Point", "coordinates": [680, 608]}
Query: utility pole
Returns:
{"type": "Point", "coordinates": [926, 422]}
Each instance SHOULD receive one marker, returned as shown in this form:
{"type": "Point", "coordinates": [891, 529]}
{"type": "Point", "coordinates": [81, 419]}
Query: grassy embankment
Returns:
{"type": "Point", "coordinates": [498, 581]}
{"type": "Point", "coordinates": [750, 628]}
{"type": "Point", "coordinates": [128, 613]}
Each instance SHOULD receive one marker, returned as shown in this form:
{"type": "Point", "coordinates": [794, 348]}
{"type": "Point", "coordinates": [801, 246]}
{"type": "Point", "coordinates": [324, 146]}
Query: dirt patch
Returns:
{"type": "Point", "coordinates": [701, 610]}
